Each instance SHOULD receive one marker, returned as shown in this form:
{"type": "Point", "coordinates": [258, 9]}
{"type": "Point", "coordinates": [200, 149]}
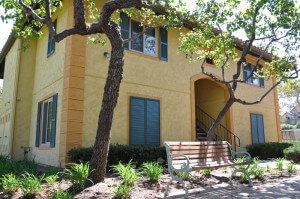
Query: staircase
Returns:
{"type": "Point", "coordinates": [203, 123]}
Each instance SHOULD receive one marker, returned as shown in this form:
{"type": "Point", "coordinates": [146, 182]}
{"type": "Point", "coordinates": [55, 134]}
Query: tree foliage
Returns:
{"type": "Point", "coordinates": [271, 24]}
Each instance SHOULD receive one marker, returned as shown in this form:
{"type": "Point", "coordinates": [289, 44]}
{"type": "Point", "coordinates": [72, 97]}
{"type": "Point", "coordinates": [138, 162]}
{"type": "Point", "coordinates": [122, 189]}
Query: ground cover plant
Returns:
{"type": "Point", "coordinates": [153, 170]}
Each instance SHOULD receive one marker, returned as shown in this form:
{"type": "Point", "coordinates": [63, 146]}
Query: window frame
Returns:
{"type": "Point", "coordinates": [250, 80]}
{"type": "Point", "coordinates": [156, 39]}
{"type": "Point", "coordinates": [47, 144]}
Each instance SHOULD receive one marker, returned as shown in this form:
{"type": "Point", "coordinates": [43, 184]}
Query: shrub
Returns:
{"type": "Point", "coordinates": [58, 194]}
{"type": "Point", "coordinates": [126, 171]}
{"type": "Point", "coordinates": [29, 166]}
{"type": "Point", "coordinates": [269, 150]}
{"type": "Point", "coordinates": [10, 183]}
{"type": "Point", "coordinates": [291, 168]}
{"type": "Point", "coordinates": [207, 172]}
{"type": "Point", "coordinates": [292, 153]}
{"type": "Point", "coordinates": [31, 185]}
{"type": "Point", "coordinates": [138, 154]}
{"type": "Point", "coordinates": [10, 166]}
{"type": "Point", "coordinates": [287, 126]}
{"type": "Point", "coordinates": [153, 170]}
{"type": "Point", "coordinates": [279, 164]}
{"type": "Point", "coordinates": [298, 125]}
{"type": "Point", "coordinates": [78, 174]}
{"type": "Point", "coordinates": [122, 190]}
{"type": "Point", "coordinates": [51, 171]}
{"type": "Point", "coordinates": [51, 179]}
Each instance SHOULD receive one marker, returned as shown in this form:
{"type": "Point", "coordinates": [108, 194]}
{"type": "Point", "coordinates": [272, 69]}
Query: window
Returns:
{"type": "Point", "coordinates": [255, 80]}
{"type": "Point", "coordinates": [46, 122]}
{"type": "Point", "coordinates": [146, 43]}
{"type": "Point", "coordinates": [144, 121]}
{"type": "Point", "coordinates": [51, 42]}
{"type": "Point", "coordinates": [257, 128]}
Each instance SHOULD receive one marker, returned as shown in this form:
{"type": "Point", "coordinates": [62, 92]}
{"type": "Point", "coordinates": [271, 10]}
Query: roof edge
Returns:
{"type": "Point", "coordinates": [8, 44]}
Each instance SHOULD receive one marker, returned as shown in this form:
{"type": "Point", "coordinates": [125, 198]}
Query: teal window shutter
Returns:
{"type": "Point", "coordinates": [51, 42]}
{"type": "Point", "coordinates": [137, 121]}
{"type": "Point", "coordinates": [144, 121]}
{"type": "Point", "coordinates": [53, 120]}
{"type": "Point", "coordinates": [38, 120]}
{"type": "Point", "coordinates": [125, 21]}
{"type": "Point", "coordinates": [163, 44]}
{"type": "Point", "coordinates": [257, 127]}
{"type": "Point", "coordinates": [153, 123]}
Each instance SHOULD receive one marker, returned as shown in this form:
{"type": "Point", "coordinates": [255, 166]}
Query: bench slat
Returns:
{"type": "Point", "coordinates": [187, 152]}
{"type": "Point", "coordinates": [218, 164]}
{"type": "Point", "coordinates": [203, 161]}
{"type": "Point", "coordinates": [179, 148]}
{"type": "Point", "coordinates": [197, 143]}
{"type": "Point", "coordinates": [208, 155]}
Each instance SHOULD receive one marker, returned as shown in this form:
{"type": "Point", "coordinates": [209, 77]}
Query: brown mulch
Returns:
{"type": "Point", "coordinates": [144, 188]}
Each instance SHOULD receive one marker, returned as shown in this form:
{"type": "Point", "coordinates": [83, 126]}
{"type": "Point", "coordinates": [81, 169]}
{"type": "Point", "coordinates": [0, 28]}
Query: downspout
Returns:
{"type": "Point", "coordinates": [14, 98]}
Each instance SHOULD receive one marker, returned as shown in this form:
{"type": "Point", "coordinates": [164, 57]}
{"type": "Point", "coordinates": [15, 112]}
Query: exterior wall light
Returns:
{"type": "Point", "coordinates": [106, 55]}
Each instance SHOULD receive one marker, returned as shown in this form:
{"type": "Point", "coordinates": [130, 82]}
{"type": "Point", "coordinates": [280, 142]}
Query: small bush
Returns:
{"type": "Point", "coordinates": [207, 172]}
{"type": "Point", "coordinates": [126, 171]}
{"type": "Point", "coordinates": [51, 171]}
{"type": "Point", "coordinates": [31, 185]}
{"type": "Point", "coordinates": [298, 125]}
{"type": "Point", "coordinates": [10, 183]}
{"type": "Point", "coordinates": [122, 190]}
{"type": "Point", "coordinates": [58, 194]}
{"type": "Point", "coordinates": [269, 150]}
{"type": "Point", "coordinates": [51, 179]}
{"type": "Point", "coordinates": [153, 170]}
{"type": "Point", "coordinates": [291, 168]}
{"type": "Point", "coordinates": [279, 164]}
{"type": "Point", "coordinates": [287, 126]}
{"type": "Point", "coordinates": [125, 153]}
{"type": "Point", "coordinates": [78, 174]}
{"type": "Point", "coordinates": [292, 153]}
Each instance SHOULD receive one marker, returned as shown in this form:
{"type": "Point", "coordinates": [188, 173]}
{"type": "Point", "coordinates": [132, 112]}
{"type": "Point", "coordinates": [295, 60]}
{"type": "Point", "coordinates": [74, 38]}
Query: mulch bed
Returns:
{"type": "Point", "coordinates": [144, 188]}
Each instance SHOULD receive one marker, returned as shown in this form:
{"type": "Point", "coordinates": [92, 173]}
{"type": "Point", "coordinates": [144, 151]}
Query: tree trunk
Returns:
{"type": "Point", "coordinates": [109, 101]}
{"type": "Point", "coordinates": [219, 118]}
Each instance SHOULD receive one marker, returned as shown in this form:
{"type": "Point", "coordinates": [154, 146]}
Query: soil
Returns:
{"type": "Point", "coordinates": [143, 188]}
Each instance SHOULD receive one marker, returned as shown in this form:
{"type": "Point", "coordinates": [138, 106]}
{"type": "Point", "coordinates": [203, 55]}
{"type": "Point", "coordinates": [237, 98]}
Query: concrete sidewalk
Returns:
{"type": "Point", "coordinates": [288, 188]}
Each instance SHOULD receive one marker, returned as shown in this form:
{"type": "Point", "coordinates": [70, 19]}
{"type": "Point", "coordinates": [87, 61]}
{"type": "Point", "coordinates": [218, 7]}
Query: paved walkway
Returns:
{"type": "Point", "coordinates": [284, 189]}
{"type": "Point", "coordinates": [288, 188]}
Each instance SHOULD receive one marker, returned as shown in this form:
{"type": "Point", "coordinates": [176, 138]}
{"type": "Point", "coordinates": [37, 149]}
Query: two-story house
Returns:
{"type": "Point", "coordinates": [52, 94]}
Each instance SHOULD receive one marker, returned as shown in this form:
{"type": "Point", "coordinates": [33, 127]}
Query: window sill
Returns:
{"type": "Point", "coordinates": [44, 148]}
{"type": "Point", "coordinates": [52, 54]}
{"type": "Point", "coordinates": [143, 55]}
{"type": "Point", "coordinates": [253, 85]}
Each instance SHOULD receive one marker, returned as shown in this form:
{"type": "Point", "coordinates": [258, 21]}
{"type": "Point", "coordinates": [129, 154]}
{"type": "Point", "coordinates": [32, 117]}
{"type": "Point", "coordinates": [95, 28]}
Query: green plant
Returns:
{"type": "Point", "coordinates": [279, 164]}
{"type": "Point", "coordinates": [31, 185]}
{"type": "Point", "coordinates": [268, 167]}
{"type": "Point", "coordinates": [51, 179]}
{"type": "Point", "coordinates": [298, 125]}
{"type": "Point", "coordinates": [291, 168]}
{"type": "Point", "coordinates": [10, 183]}
{"type": "Point", "coordinates": [58, 194]}
{"type": "Point", "coordinates": [138, 154]}
{"type": "Point", "coordinates": [126, 171]}
{"type": "Point", "coordinates": [274, 172]}
{"type": "Point", "coordinates": [241, 159]}
{"type": "Point", "coordinates": [122, 190]}
{"type": "Point", "coordinates": [269, 150]}
{"type": "Point", "coordinates": [51, 171]}
{"type": "Point", "coordinates": [181, 174]}
{"type": "Point", "coordinates": [287, 126]}
{"type": "Point", "coordinates": [78, 174]}
{"type": "Point", "coordinates": [258, 173]}
{"type": "Point", "coordinates": [153, 170]}
{"type": "Point", "coordinates": [29, 166]}
{"type": "Point", "coordinates": [244, 177]}
{"type": "Point", "coordinates": [292, 153]}
{"type": "Point", "coordinates": [207, 172]}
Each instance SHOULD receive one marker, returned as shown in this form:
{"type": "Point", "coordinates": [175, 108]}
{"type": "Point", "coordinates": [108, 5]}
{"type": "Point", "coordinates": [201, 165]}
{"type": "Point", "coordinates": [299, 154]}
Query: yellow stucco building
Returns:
{"type": "Point", "coordinates": [52, 95]}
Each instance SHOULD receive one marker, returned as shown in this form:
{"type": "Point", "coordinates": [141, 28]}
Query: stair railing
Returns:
{"type": "Point", "coordinates": [205, 121]}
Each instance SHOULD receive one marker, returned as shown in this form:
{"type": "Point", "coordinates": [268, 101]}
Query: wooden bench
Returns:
{"type": "Point", "coordinates": [191, 156]}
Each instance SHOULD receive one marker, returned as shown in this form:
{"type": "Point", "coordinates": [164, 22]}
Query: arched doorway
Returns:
{"type": "Point", "coordinates": [207, 99]}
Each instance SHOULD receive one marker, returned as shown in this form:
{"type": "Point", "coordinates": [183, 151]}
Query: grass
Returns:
{"type": "Point", "coordinates": [126, 171]}
{"type": "Point", "coordinates": [31, 185]}
{"type": "Point", "coordinates": [279, 163]}
{"type": "Point", "coordinates": [10, 183]}
{"type": "Point", "coordinates": [58, 194]}
{"type": "Point", "coordinates": [122, 190]}
{"type": "Point", "coordinates": [51, 179]}
{"type": "Point", "coordinates": [291, 168]}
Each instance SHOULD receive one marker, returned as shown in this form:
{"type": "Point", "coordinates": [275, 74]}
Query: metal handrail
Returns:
{"type": "Point", "coordinates": [205, 121]}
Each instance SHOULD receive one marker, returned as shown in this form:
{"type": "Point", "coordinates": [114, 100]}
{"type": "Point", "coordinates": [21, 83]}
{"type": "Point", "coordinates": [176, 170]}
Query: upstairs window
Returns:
{"type": "Point", "coordinates": [254, 79]}
{"type": "Point", "coordinates": [51, 42]}
{"type": "Point", "coordinates": [146, 43]}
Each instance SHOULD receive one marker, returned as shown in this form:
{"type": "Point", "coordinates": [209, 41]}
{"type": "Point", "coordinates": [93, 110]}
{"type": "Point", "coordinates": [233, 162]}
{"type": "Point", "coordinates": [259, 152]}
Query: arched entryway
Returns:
{"type": "Point", "coordinates": [207, 99]}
